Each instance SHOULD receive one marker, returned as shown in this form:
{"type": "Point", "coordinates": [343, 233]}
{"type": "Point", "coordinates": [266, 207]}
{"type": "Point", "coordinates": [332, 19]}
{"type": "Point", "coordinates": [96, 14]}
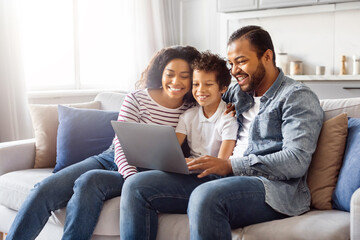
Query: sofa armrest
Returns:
{"type": "Point", "coordinates": [355, 215]}
{"type": "Point", "coordinates": [17, 155]}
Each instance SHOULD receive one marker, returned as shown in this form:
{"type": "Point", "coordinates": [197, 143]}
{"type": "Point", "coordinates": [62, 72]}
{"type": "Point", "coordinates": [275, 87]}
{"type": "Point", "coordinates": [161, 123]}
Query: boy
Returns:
{"type": "Point", "coordinates": [208, 130]}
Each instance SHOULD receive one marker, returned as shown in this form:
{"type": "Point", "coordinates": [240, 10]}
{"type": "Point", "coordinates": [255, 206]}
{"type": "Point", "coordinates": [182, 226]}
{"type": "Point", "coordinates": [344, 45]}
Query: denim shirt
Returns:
{"type": "Point", "coordinates": [282, 139]}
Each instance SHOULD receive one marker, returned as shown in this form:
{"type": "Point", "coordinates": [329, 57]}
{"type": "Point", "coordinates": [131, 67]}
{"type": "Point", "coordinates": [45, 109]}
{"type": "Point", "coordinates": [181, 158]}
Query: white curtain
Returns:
{"type": "Point", "coordinates": [14, 118]}
{"type": "Point", "coordinates": [148, 26]}
{"type": "Point", "coordinates": [154, 24]}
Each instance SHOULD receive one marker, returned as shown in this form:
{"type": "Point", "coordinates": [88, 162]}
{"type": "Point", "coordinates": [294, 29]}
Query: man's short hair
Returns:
{"type": "Point", "coordinates": [258, 38]}
{"type": "Point", "coordinates": [209, 62]}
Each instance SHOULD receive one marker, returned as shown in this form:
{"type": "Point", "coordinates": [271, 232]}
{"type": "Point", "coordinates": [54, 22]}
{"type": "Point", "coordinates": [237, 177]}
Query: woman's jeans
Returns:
{"type": "Point", "coordinates": [214, 204]}
{"type": "Point", "coordinates": [82, 188]}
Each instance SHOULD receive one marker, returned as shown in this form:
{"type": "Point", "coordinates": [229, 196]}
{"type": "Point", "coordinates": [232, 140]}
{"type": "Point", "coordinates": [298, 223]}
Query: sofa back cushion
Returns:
{"type": "Point", "coordinates": [82, 133]}
{"type": "Point", "coordinates": [334, 107]}
{"type": "Point", "coordinates": [45, 123]}
{"type": "Point", "coordinates": [110, 101]}
{"type": "Point", "coordinates": [326, 161]}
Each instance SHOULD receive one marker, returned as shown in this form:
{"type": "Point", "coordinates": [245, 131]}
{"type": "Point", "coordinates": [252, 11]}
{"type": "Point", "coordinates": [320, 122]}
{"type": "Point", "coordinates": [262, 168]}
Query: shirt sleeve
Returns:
{"type": "Point", "coordinates": [229, 128]}
{"type": "Point", "coordinates": [302, 119]}
{"type": "Point", "coordinates": [181, 126]}
{"type": "Point", "coordinates": [129, 112]}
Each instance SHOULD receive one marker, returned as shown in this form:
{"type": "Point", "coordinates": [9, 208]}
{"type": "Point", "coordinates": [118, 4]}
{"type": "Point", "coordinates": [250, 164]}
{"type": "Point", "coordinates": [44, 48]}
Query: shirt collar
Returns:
{"type": "Point", "coordinates": [219, 111]}
{"type": "Point", "coordinates": [271, 92]}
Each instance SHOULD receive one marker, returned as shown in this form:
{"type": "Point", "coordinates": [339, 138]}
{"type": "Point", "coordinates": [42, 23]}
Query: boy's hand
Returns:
{"type": "Point", "coordinates": [210, 165]}
{"type": "Point", "coordinates": [230, 109]}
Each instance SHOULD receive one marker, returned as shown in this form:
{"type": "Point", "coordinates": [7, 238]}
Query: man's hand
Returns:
{"type": "Point", "coordinates": [210, 165]}
{"type": "Point", "coordinates": [230, 109]}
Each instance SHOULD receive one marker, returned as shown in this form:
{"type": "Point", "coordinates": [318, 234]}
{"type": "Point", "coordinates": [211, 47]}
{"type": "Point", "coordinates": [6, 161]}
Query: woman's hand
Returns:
{"type": "Point", "coordinates": [210, 165]}
{"type": "Point", "coordinates": [230, 109]}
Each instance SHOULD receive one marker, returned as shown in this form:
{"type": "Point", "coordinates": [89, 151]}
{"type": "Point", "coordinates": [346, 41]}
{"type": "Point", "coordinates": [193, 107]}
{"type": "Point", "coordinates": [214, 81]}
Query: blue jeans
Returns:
{"type": "Point", "coordinates": [82, 188]}
{"type": "Point", "coordinates": [214, 205]}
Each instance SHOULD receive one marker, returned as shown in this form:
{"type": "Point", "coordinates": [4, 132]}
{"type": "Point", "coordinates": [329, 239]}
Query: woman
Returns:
{"type": "Point", "coordinates": [83, 187]}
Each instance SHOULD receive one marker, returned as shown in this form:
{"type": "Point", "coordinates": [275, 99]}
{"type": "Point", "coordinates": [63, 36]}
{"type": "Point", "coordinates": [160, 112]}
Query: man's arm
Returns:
{"type": "Point", "coordinates": [302, 119]}
{"type": "Point", "coordinates": [301, 125]}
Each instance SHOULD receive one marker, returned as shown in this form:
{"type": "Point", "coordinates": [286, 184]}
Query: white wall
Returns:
{"type": "Point", "coordinates": [200, 24]}
{"type": "Point", "coordinates": [316, 35]}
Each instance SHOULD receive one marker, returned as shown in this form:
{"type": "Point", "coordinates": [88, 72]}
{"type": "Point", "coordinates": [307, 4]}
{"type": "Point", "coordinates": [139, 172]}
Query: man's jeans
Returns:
{"type": "Point", "coordinates": [214, 204]}
{"type": "Point", "coordinates": [82, 188]}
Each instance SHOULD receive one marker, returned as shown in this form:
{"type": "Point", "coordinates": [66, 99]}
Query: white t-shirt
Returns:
{"type": "Point", "coordinates": [243, 141]}
{"type": "Point", "coordinates": [205, 135]}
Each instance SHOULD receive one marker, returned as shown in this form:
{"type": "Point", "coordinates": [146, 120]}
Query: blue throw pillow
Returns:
{"type": "Point", "coordinates": [349, 176]}
{"type": "Point", "coordinates": [82, 133]}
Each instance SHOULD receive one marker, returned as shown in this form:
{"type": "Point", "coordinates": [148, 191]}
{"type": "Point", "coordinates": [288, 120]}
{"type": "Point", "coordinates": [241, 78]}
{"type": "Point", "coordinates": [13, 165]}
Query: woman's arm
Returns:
{"type": "Point", "coordinates": [129, 112]}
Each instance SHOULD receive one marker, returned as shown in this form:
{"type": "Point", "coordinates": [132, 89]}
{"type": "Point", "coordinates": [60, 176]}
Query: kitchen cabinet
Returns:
{"type": "Point", "coordinates": [334, 1]}
{"type": "Point", "coordinates": [234, 6]}
{"type": "Point", "coordinates": [284, 3]}
{"type": "Point", "coordinates": [246, 5]}
{"type": "Point", "coordinates": [334, 89]}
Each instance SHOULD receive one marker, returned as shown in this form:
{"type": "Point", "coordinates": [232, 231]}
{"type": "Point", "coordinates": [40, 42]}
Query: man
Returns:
{"type": "Point", "coordinates": [265, 179]}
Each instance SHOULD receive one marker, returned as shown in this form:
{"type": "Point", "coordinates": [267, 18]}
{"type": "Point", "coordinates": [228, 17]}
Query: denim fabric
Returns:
{"type": "Point", "coordinates": [146, 194]}
{"type": "Point", "coordinates": [349, 176]}
{"type": "Point", "coordinates": [235, 202]}
{"type": "Point", "coordinates": [282, 139]}
{"type": "Point", "coordinates": [82, 188]}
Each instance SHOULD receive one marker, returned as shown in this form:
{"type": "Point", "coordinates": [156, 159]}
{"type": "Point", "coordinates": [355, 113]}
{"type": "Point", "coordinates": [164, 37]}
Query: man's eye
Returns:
{"type": "Point", "coordinates": [195, 84]}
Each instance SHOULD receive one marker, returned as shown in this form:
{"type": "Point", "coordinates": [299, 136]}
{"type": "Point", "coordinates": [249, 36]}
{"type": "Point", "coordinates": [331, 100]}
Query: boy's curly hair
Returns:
{"type": "Point", "coordinates": [209, 62]}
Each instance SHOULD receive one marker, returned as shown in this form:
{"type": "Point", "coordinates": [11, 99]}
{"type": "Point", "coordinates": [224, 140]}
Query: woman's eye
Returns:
{"type": "Point", "coordinates": [185, 77]}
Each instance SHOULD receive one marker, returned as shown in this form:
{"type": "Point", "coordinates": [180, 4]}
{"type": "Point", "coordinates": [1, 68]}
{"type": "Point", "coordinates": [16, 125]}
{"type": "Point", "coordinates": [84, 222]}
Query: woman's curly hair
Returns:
{"type": "Point", "coordinates": [209, 62]}
{"type": "Point", "coordinates": [151, 77]}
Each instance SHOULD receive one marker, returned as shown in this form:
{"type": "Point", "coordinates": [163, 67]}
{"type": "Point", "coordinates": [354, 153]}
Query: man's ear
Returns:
{"type": "Point", "coordinates": [268, 56]}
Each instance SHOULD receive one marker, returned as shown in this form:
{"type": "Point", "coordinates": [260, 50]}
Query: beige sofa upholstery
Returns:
{"type": "Point", "coordinates": [17, 177]}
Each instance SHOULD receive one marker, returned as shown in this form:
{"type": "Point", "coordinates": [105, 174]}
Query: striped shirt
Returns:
{"type": "Point", "coordinates": [139, 107]}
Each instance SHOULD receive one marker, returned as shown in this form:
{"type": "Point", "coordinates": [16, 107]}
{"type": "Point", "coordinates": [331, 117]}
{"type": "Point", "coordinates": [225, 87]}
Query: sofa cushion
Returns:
{"type": "Point", "coordinates": [334, 107]}
{"type": "Point", "coordinates": [45, 123]}
{"type": "Point", "coordinates": [316, 224]}
{"type": "Point", "coordinates": [82, 133]}
{"type": "Point", "coordinates": [326, 161]}
{"type": "Point", "coordinates": [349, 177]}
{"type": "Point", "coordinates": [15, 186]}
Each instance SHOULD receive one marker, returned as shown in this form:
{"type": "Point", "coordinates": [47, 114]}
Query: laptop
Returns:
{"type": "Point", "coordinates": [151, 146]}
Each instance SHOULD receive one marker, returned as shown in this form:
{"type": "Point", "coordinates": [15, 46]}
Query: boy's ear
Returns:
{"type": "Point", "coordinates": [223, 90]}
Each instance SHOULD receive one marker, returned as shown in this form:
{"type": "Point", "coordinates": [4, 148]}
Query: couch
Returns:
{"type": "Point", "coordinates": [18, 176]}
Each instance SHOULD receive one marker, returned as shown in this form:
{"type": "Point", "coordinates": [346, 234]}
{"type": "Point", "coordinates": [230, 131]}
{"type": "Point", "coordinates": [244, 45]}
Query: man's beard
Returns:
{"type": "Point", "coordinates": [255, 79]}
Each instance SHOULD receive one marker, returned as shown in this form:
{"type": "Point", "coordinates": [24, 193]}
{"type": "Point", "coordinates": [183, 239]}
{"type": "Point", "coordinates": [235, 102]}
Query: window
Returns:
{"type": "Point", "coordinates": [75, 44]}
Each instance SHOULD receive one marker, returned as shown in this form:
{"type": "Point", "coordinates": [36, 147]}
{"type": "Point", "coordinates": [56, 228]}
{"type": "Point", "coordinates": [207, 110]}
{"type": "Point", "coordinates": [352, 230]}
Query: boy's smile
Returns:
{"type": "Point", "coordinates": [206, 91]}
